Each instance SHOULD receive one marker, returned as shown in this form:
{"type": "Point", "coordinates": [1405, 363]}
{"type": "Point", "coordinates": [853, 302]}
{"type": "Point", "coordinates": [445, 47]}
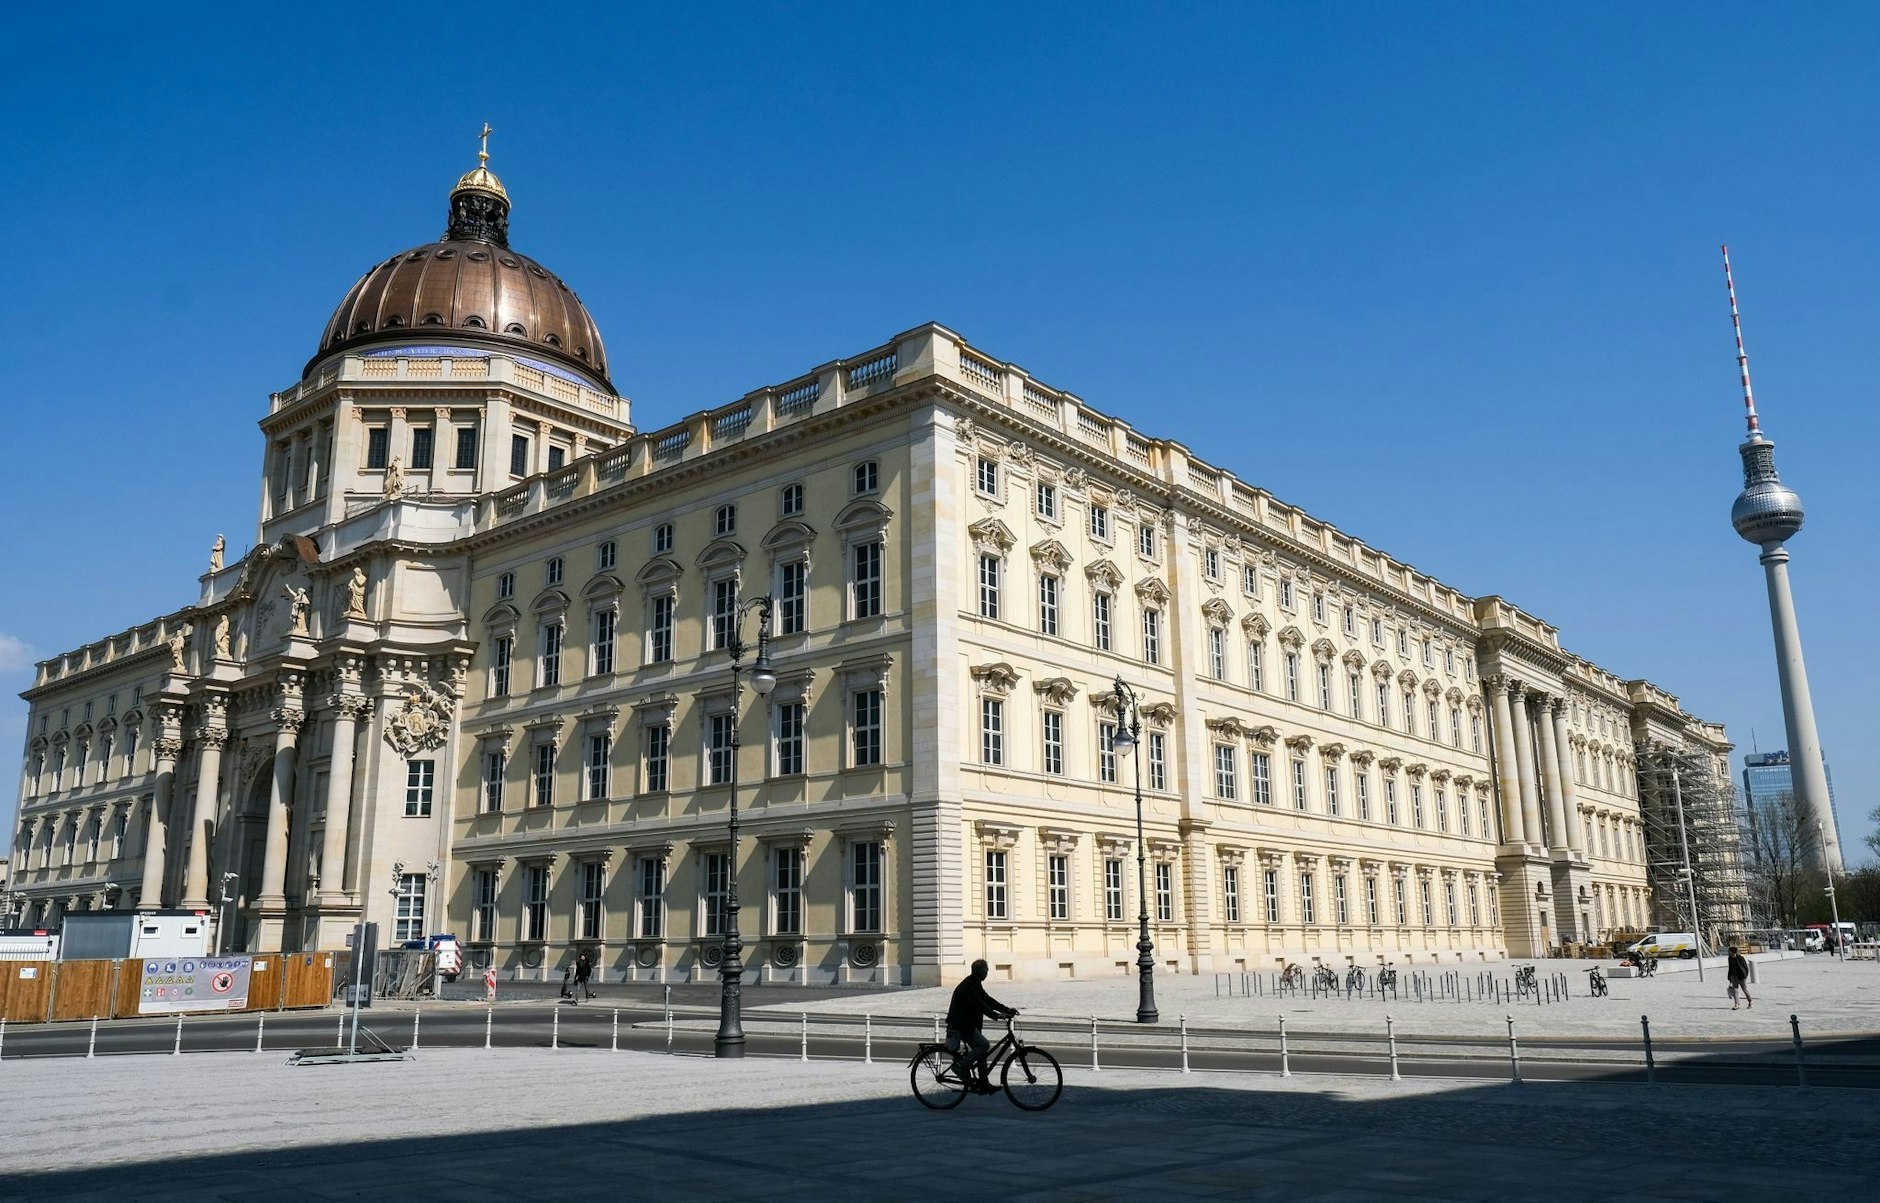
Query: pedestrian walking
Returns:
{"type": "Point", "coordinates": [489, 984]}
{"type": "Point", "coordinates": [1738, 973]}
{"type": "Point", "coordinates": [583, 972]}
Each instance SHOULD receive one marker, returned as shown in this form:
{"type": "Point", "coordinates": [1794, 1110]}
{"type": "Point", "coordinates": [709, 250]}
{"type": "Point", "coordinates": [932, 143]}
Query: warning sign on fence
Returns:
{"type": "Point", "coordinates": [194, 984]}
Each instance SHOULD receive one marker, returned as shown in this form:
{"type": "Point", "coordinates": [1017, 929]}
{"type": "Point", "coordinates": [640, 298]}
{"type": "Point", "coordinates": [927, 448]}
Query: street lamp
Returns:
{"type": "Point", "coordinates": [1128, 735]}
{"type": "Point", "coordinates": [730, 1039]}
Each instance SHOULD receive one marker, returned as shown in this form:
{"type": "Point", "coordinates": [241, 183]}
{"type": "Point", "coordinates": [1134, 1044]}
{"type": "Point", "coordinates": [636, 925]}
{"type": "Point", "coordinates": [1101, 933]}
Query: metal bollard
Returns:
{"type": "Point", "coordinates": [669, 1019]}
{"type": "Point", "coordinates": [489, 1021]}
{"type": "Point", "coordinates": [1514, 1051]}
{"type": "Point", "coordinates": [1390, 1031]}
{"type": "Point", "coordinates": [1183, 1019]}
{"type": "Point", "coordinates": [339, 1039]}
{"type": "Point", "coordinates": [805, 1051]}
{"type": "Point", "coordinates": [414, 1029]}
{"type": "Point", "coordinates": [1651, 1064]}
{"type": "Point", "coordinates": [1095, 1065]}
{"type": "Point", "coordinates": [868, 1038]}
{"type": "Point", "coordinates": [261, 1026]}
{"type": "Point", "coordinates": [91, 1046]}
{"type": "Point", "coordinates": [616, 1043]}
{"type": "Point", "coordinates": [554, 1029]}
{"type": "Point", "coordinates": [1285, 1061]}
{"type": "Point", "coordinates": [936, 1029]}
{"type": "Point", "coordinates": [3, 1035]}
{"type": "Point", "coordinates": [176, 1050]}
{"type": "Point", "coordinates": [1801, 1070]}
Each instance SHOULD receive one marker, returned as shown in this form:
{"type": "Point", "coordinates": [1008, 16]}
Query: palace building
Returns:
{"type": "Point", "coordinates": [475, 677]}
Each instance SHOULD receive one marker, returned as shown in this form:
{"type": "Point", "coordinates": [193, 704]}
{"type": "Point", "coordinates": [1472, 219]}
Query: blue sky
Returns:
{"type": "Point", "coordinates": [1445, 275]}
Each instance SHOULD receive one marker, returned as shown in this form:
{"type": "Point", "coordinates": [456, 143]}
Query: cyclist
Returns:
{"type": "Point", "coordinates": [966, 1016]}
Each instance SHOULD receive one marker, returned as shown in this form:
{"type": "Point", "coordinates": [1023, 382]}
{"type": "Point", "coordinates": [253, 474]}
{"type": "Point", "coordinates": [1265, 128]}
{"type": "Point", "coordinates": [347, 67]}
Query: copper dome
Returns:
{"type": "Point", "coordinates": [469, 288]}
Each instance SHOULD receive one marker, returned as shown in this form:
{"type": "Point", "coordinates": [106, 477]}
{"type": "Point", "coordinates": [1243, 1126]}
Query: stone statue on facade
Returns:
{"type": "Point", "coordinates": [297, 603]}
{"type": "Point", "coordinates": [221, 636]}
{"type": "Point", "coordinates": [395, 478]}
{"type": "Point", "coordinates": [179, 644]}
{"type": "Point", "coordinates": [216, 550]}
{"type": "Point", "coordinates": [356, 594]}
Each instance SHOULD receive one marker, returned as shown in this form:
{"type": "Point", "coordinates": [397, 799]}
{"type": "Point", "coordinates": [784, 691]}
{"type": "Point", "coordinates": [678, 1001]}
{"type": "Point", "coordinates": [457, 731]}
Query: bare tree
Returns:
{"type": "Point", "coordinates": [1873, 837]}
{"type": "Point", "coordinates": [1778, 834]}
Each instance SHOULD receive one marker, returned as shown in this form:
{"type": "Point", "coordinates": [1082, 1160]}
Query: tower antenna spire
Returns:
{"type": "Point", "coordinates": [1742, 356]}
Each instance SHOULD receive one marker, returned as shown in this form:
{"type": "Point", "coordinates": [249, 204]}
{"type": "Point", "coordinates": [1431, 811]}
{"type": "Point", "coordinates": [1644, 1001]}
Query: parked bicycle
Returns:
{"type": "Point", "coordinates": [1292, 977]}
{"type": "Point", "coordinates": [1645, 966]}
{"type": "Point", "coordinates": [1029, 1076]}
{"type": "Point", "coordinates": [1525, 979]}
{"type": "Point", "coordinates": [1596, 981]}
{"type": "Point", "coordinates": [1387, 977]}
{"type": "Point", "coordinates": [1325, 978]}
{"type": "Point", "coordinates": [1354, 980]}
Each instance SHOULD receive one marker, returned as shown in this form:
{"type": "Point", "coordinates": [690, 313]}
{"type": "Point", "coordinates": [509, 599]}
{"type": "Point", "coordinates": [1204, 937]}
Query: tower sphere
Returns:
{"type": "Point", "coordinates": [1766, 511]}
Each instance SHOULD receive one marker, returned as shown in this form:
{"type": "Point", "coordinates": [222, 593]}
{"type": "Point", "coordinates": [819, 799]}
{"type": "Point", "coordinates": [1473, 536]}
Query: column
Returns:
{"type": "Point", "coordinates": [280, 797]}
{"type": "Point", "coordinates": [1563, 761]}
{"type": "Point", "coordinates": [1508, 783]}
{"type": "Point", "coordinates": [1558, 828]}
{"type": "Point", "coordinates": [210, 740]}
{"type": "Point", "coordinates": [166, 749]}
{"type": "Point", "coordinates": [346, 716]}
{"type": "Point", "coordinates": [1524, 765]}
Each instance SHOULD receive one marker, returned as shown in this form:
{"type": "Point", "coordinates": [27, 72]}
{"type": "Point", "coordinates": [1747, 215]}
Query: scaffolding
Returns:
{"type": "Point", "coordinates": [1688, 806]}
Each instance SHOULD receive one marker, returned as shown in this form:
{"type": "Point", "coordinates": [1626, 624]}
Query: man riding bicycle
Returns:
{"type": "Point", "coordinates": [966, 1015]}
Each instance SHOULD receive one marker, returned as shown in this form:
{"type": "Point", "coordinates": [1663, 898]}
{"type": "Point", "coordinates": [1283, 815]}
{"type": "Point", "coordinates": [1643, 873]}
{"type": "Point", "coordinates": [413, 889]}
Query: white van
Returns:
{"type": "Point", "coordinates": [1681, 944]}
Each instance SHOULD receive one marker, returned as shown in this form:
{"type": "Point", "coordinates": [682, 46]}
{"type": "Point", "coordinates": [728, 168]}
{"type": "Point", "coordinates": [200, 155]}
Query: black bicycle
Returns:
{"type": "Point", "coordinates": [1597, 981]}
{"type": "Point", "coordinates": [1029, 1076]}
{"type": "Point", "coordinates": [1525, 979]}
{"type": "Point", "coordinates": [1387, 978]}
{"type": "Point", "coordinates": [1325, 978]}
{"type": "Point", "coordinates": [1354, 980]}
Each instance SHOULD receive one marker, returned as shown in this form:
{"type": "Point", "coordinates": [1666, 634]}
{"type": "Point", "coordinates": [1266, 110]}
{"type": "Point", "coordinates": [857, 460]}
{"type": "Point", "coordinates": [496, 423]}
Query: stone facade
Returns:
{"type": "Point", "coordinates": [493, 697]}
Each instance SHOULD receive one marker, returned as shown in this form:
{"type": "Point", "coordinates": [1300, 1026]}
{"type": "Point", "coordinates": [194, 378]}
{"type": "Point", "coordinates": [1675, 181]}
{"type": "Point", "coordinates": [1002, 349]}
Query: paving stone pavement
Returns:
{"type": "Point", "coordinates": [527, 1124]}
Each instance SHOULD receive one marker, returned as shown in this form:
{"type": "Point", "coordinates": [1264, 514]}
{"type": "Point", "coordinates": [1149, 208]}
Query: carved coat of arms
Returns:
{"type": "Point", "coordinates": [421, 722]}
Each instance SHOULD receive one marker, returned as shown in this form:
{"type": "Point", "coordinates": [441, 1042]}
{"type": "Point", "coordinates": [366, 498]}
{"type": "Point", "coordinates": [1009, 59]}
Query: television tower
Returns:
{"type": "Point", "coordinates": [1767, 512]}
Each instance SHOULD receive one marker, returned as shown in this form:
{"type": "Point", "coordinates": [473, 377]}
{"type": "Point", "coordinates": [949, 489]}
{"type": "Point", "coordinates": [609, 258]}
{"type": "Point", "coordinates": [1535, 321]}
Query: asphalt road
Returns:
{"type": "Point", "coordinates": [1849, 1063]}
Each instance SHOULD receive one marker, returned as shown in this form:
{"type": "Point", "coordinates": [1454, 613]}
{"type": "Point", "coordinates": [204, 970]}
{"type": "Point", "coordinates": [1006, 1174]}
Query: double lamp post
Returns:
{"type": "Point", "coordinates": [1128, 739]}
{"type": "Point", "coordinates": [729, 1041]}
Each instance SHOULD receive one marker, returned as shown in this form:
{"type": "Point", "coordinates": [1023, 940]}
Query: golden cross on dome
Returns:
{"type": "Point", "coordinates": [483, 152]}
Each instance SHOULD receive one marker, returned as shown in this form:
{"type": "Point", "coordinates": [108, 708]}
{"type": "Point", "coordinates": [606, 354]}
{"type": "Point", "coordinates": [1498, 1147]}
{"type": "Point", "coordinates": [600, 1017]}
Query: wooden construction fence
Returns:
{"type": "Point", "coordinates": [54, 991]}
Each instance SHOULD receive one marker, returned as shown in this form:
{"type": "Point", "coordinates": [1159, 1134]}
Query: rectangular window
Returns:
{"type": "Point", "coordinates": [604, 623]}
{"type": "Point", "coordinates": [1292, 676]}
{"type": "Point", "coordinates": [409, 922]}
{"type": "Point", "coordinates": [1351, 620]}
{"type": "Point", "coordinates": [1100, 522]}
{"type": "Point", "coordinates": [1475, 914]}
{"type": "Point", "coordinates": [120, 827]}
{"type": "Point", "coordinates": [506, 585]}
{"type": "Point", "coordinates": [1449, 902]}
{"type": "Point", "coordinates": [1271, 893]}
{"type": "Point", "coordinates": [1152, 636]}
{"type": "Point", "coordinates": [724, 611]}
{"type": "Point", "coordinates": [552, 571]}
{"type": "Point", "coordinates": [1250, 581]}
{"type": "Point", "coordinates": [605, 554]}
{"type": "Point", "coordinates": [1331, 789]}
{"type": "Point", "coordinates": [717, 873]}
{"type": "Point", "coordinates": [652, 898]}
{"type": "Point", "coordinates": [1370, 901]}
{"type": "Point", "coordinates": [988, 586]}
{"type": "Point", "coordinates": [867, 726]}
{"type": "Point", "coordinates": [1442, 809]}
{"type": "Point", "coordinates": [1429, 919]}
{"type": "Point", "coordinates": [550, 665]}
{"type": "Point", "coordinates": [1230, 893]}
{"type": "Point", "coordinates": [995, 884]}
{"type": "Point", "coordinates": [1106, 752]}
{"type": "Point", "coordinates": [1100, 620]}
{"type": "Point", "coordinates": [718, 749]}
{"type": "Point", "coordinates": [378, 447]}
{"type": "Point", "coordinates": [1145, 541]}
{"type": "Point", "coordinates": [494, 764]}
{"type": "Point", "coordinates": [535, 904]}
{"type": "Point", "coordinates": [1434, 729]}
{"type": "Point", "coordinates": [1048, 604]}
{"type": "Point", "coordinates": [1355, 687]}
{"type": "Point", "coordinates": [792, 594]}
{"type": "Point", "coordinates": [658, 745]}
{"type": "Point", "coordinates": [1047, 499]}
{"type": "Point", "coordinates": [1113, 890]}
{"type": "Point", "coordinates": [1416, 803]}
{"type": "Point", "coordinates": [1390, 799]}
{"type": "Point", "coordinates": [1383, 704]}
{"type": "Point", "coordinates": [1325, 687]}
{"type": "Point", "coordinates": [1211, 564]}
{"type": "Point", "coordinates": [1256, 666]}
{"type": "Point", "coordinates": [1308, 907]}
{"type": "Point", "coordinates": [866, 581]}
{"type": "Point", "coordinates": [593, 889]}
{"type": "Point", "coordinates": [1455, 727]}
{"type": "Point", "coordinates": [865, 891]}
{"type": "Point", "coordinates": [600, 749]}
{"type": "Point", "coordinates": [1054, 742]}
{"type": "Point", "coordinates": [557, 456]}
{"type": "Point", "coordinates": [1299, 784]}
{"type": "Point", "coordinates": [789, 739]}
{"type": "Point", "coordinates": [1285, 594]}
{"type": "Point", "coordinates": [466, 447]}
{"type": "Point", "coordinates": [1361, 782]}
{"type": "Point", "coordinates": [787, 900]}
{"type": "Point", "coordinates": [1164, 892]}
{"type": "Point", "coordinates": [1058, 879]}
{"type": "Point", "coordinates": [659, 630]}
{"type": "Point", "coordinates": [1377, 631]}
{"type": "Point", "coordinates": [988, 478]}
{"type": "Point", "coordinates": [866, 477]}
{"type": "Point", "coordinates": [1158, 760]}
{"type": "Point", "coordinates": [1225, 785]}
{"type": "Point", "coordinates": [1475, 733]}
{"type": "Point", "coordinates": [423, 447]}
{"type": "Point", "coordinates": [662, 538]}
{"type": "Point", "coordinates": [420, 787]}
{"type": "Point", "coordinates": [1217, 653]}
{"type": "Point", "coordinates": [790, 501]}
{"type": "Point", "coordinates": [483, 912]}
{"type": "Point", "coordinates": [1262, 778]}
{"type": "Point", "coordinates": [1340, 900]}
{"type": "Point", "coordinates": [1462, 813]}
{"type": "Point", "coordinates": [1318, 607]}
{"type": "Point", "coordinates": [1399, 890]}
{"type": "Point", "coordinates": [991, 731]}
{"type": "Point", "coordinates": [1409, 712]}
{"type": "Point", "coordinates": [519, 455]}
{"type": "Point", "coordinates": [725, 520]}
{"type": "Point", "coordinates": [544, 774]}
